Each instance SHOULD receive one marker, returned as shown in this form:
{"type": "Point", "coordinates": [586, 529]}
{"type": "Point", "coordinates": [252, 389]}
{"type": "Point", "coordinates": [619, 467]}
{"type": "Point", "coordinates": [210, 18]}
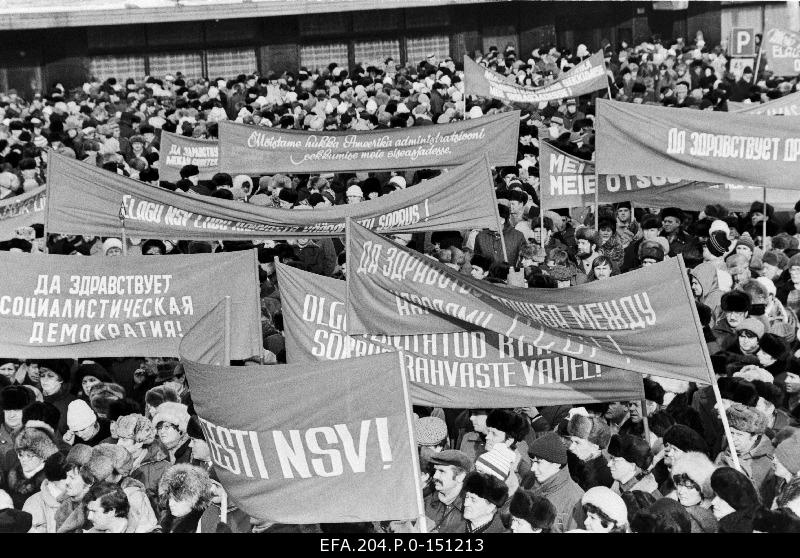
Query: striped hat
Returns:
{"type": "Point", "coordinates": [496, 462]}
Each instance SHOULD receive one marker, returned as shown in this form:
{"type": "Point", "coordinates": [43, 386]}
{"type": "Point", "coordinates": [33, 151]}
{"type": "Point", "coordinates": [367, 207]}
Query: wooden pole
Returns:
{"type": "Point", "coordinates": [122, 216]}
{"type": "Point", "coordinates": [764, 222]}
{"type": "Point", "coordinates": [227, 333]}
{"type": "Point", "coordinates": [421, 520]}
{"type": "Point", "coordinates": [645, 421]}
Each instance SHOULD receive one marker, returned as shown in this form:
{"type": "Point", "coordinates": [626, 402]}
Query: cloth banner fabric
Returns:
{"type": "Point", "coordinates": [177, 151]}
{"type": "Point", "coordinates": [714, 147]}
{"type": "Point", "coordinates": [87, 199]}
{"type": "Point", "coordinates": [586, 77]}
{"type": "Point", "coordinates": [568, 181]}
{"type": "Point", "coordinates": [285, 453]}
{"type": "Point", "coordinates": [245, 149]}
{"type": "Point", "coordinates": [22, 211]}
{"type": "Point", "coordinates": [54, 306]}
{"type": "Point", "coordinates": [782, 48]}
{"type": "Point", "coordinates": [788, 105]}
{"type": "Point", "coordinates": [644, 321]}
{"type": "Point", "coordinates": [466, 369]}
{"type": "Point", "coordinates": [204, 343]}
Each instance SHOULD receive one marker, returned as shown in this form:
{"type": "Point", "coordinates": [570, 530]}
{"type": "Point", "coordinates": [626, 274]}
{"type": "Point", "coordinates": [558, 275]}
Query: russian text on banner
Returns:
{"type": "Point", "coordinates": [783, 52]}
{"type": "Point", "coordinates": [257, 150]}
{"type": "Point", "coordinates": [285, 453]}
{"type": "Point", "coordinates": [569, 181]}
{"type": "Point", "coordinates": [586, 77]}
{"type": "Point", "coordinates": [86, 200]}
{"type": "Point", "coordinates": [641, 321]}
{"type": "Point", "coordinates": [714, 147]}
{"type": "Point", "coordinates": [54, 306]}
{"type": "Point", "coordinates": [466, 369]}
{"type": "Point", "coordinates": [785, 106]}
{"type": "Point", "coordinates": [22, 211]}
{"type": "Point", "coordinates": [177, 151]}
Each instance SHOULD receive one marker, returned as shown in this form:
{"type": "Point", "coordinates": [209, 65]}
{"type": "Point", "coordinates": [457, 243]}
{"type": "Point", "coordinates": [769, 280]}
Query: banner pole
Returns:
{"type": "Point", "coordinates": [124, 232]}
{"type": "Point", "coordinates": [758, 59]}
{"type": "Point", "coordinates": [764, 222]}
{"type": "Point", "coordinates": [596, 202]}
{"type": "Point", "coordinates": [227, 333]}
{"type": "Point", "coordinates": [707, 356]}
{"type": "Point", "coordinates": [421, 521]}
{"type": "Point", "coordinates": [646, 421]}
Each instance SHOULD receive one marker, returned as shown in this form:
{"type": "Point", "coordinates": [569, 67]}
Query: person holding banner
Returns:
{"type": "Point", "coordinates": [445, 507]}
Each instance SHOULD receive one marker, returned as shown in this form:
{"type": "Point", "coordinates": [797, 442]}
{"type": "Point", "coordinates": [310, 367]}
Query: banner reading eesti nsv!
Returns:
{"type": "Point", "coordinates": [323, 442]}
{"type": "Point", "coordinates": [474, 368]}
{"type": "Point", "coordinates": [586, 77]}
{"type": "Point", "coordinates": [568, 181]}
{"type": "Point", "coordinates": [177, 151]}
{"type": "Point", "coordinates": [55, 306]}
{"type": "Point", "coordinates": [85, 199]}
{"type": "Point", "coordinates": [257, 150]}
{"type": "Point", "coordinates": [782, 48]}
{"type": "Point", "coordinates": [644, 321]}
{"type": "Point", "coordinates": [22, 211]}
{"type": "Point", "coordinates": [714, 147]}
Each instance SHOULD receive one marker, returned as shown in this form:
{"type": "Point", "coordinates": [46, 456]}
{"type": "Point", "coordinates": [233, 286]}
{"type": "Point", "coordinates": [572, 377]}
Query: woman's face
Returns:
{"type": "Point", "coordinates": [88, 383]}
{"type": "Point", "coordinates": [748, 342]}
{"type": "Point", "coordinates": [602, 271]}
{"type": "Point", "coordinates": [605, 234]}
{"type": "Point", "coordinates": [8, 369]}
{"type": "Point", "coordinates": [29, 460]}
{"type": "Point", "coordinates": [688, 496]}
{"type": "Point", "coordinates": [181, 508]}
{"type": "Point", "coordinates": [744, 251]}
{"type": "Point", "coordinates": [621, 469]}
{"type": "Point", "coordinates": [51, 382]}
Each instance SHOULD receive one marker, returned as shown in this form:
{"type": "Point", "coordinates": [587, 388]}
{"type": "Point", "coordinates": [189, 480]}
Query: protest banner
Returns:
{"type": "Point", "coordinates": [208, 340]}
{"type": "Point", "coordinates": [22, 211]}
{"type": "Point", "coordinates": [468, 369]}
{"type": "Point", "coordinates": [177, 151]}
{"type": "Point", "coordinates": [568, 181]}
{"type": "Point", "coordinates": [782, 48]}
{"type": "Point", "coordinates": [257, 150]}
{"type": "Point", "coordinates": [586, 77]}
{"type": "Point", "coordinates": [788, 105]}
{"type": "Point", "coordinates": [87, 200]}
{"type": "Point", "coordinates": [642, 321]}
{"type": "Point", "coordinates": [285, 454]}
{"type": "Point", "coordinates": [54, 306]}
{"type": "Point", "coordinates": [696, 145]}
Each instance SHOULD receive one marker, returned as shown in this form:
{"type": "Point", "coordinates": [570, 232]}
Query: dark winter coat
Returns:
{"type": "Point", "coordinates": [591, 473]}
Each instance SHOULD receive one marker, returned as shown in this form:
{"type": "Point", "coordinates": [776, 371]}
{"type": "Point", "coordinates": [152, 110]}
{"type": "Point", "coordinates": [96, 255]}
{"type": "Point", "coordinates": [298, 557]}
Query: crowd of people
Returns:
{"type": "Point", "coordinates": [114, 444]}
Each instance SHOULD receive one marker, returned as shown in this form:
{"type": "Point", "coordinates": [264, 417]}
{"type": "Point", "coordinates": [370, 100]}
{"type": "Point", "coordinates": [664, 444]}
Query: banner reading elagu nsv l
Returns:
{"type": "Point", "coordinates": [697, 145]}
{"type": "Point", "coordinates": [178, 151]}
{"type": "Point", "coordinates": [644, 321]}
{"type": "Point", "coordinates": [258, 150]}
{"type": "Point", "coordinates": [284, 453]}
{"type": "Point", "coordinates": [67, 307]}
{"type": "Point", "coordinates": [587, 77]}
{"type": "Point", "coordinates": [86, 199]}
{"type": "Point", "coordinates": [783, 51]}
{"type": "Point", "coordinates": [466, 369]}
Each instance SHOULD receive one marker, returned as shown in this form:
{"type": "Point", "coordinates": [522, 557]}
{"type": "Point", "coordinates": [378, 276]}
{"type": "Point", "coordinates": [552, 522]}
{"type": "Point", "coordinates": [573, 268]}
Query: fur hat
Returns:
{"type": "Point", "coordinates": [103, 394]}
{"type": "Point", "coordinates": [173, 413]}
{"type": "Point", "coordinates": [513, 424]}
{"type": "Point", "coordinates": [36, 441]}
{"type": "Point", "coordinates": [430, 430]}
{"type": "Point", "coordinates": [651, 250]}
{"type": "Point", "coordinates": [550, 448]}
{"type": "Point", "coordinates": [79, 454]}
{"type": "Point", "coordinates": [497, 461]}
{"type": "Point", "coordinates": [100, 465]}
{"type": "Point", "coordinates": [778, 521]}
{"type": "Point", "coordinates": [632, 449]}
{"type": "Point", "coordinates": [685, 439]}
{"type": "Point", "coordinates": [653, 391]}
{"type": "Point", "coordinates": [773, 345]}
{"type": "Point", "coordinates": [134, 427]}
{"type": "Point", "coordinates": [776, 258]}
{"type": "Point", "coordinates": [735, 488]}
{"type": "Point", "coordinates": [15, 398]}
{"type": "Point", "coordinates": [15, 521]}
{"type": "Point", "coordinates": [58, 365]}
{"type": "Point", "coordinates": [161, 394]}
{"type": "Point", "coordinates": [607, 501]}
{"type": "Point", "coordinates": [698, 467]}
{"type": "Point", "coordinates": [586, 233]}
{"type": "Point", "coordinates": [788, 453]}
{"type": "Point", "coordinates": [120, 459]}
{"type": "Point", "coordinates": [672, 212]}
{"type": "Point", "coordinates": [534, 509]}
{"type": "Point", "coordinates": [664, 516]}
{"type": "Point", "coordinates": [184, 481]}
{"type": "Point", "coordinates": [592, 429]}
{"type": "Point", "coordinates": [488, 487]}
{"type": "Point", "coordinates": [735, 301]}
{"type": "Point", "coordinates": [746, 419]}
{"type": "Point", "coordinates": [670, 385]}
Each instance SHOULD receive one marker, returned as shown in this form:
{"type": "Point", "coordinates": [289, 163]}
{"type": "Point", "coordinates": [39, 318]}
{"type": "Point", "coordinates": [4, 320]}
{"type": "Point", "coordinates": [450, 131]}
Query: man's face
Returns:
{"type": "Point", "coordinates": [168, 434]}
{"type": "Point", "coordinates": [478, 272]}
{"type": "Point", "coordinates": [748, 341]}
{"type": "Point", "coordinates": [101, 520]}
{"type": "Point", "coordinates": [744, 251]}
{"type": "Point", "coordinates": [537, 235]}
{"type": "Point", "coordinates": [635, 411]}
{"type": "Point", "coordinates": [13, 418]}
{"type": "Point", "coordinates": [650, 234]}
{"type": "Point", "coordinates": [735, 319]}
{"type": "Point", "coordinates": [75, 486]}
{"type": "Point", "coordinates": [616, 411]}
{"type": "Point", "coordinates": [445, 479]}
{"type": "Point", "coordinates": [671, 453]}
{"type": "Point", "coordinates": [770, 271]}
{"type": "Point", "coordinates": [180, 508]}
{"type": "Point", "coordinates": [354, 199]}
{"type": "Point", "coordinates": [543, 469]}
{"type": "Point", "coordinates": [86, 433]}
{"type": "Point", "coordinates": [476, 507]}
{"type": "Point", "coordinates": [742, 441]}
{"type": "Point", "coordinates": [670, 224]}
{"type": "Point", "coordinates": [33, 371]}
{"type": "Point", "coordinates": [623, 214]}
{"type": "Point", "coordinates": [584, 248]}
{"type": "Point", "coordinates": [765, 359]}
{"type": "Point", "coordinates": [516, 207]}
{"type": "Point", "coordinates": [681, 92]}
{"type": "Point", "coordinates": [495, 436]}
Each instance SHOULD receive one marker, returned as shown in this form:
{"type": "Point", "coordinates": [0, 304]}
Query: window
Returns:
{"type": "Point", "coordinates": [418, 48]}
{"type": "Point", "coordinates": [230, 63]}
{"type": "Point", "coordinates": [120, 67]}
{"type": "Point", "coordinates": [375, 52]}
{"type": "Point", "coordinates": [315, 57]}
{"type": "Point", "coordinates": [190, 64]}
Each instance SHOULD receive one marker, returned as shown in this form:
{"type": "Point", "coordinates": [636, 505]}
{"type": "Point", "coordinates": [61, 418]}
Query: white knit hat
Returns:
{"type": "Point", "coordinates": [496, 462]}
{"type": "Point", "coordinates": [173, 413]}
{"type": "Point", "coordinates": [80, 416]}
